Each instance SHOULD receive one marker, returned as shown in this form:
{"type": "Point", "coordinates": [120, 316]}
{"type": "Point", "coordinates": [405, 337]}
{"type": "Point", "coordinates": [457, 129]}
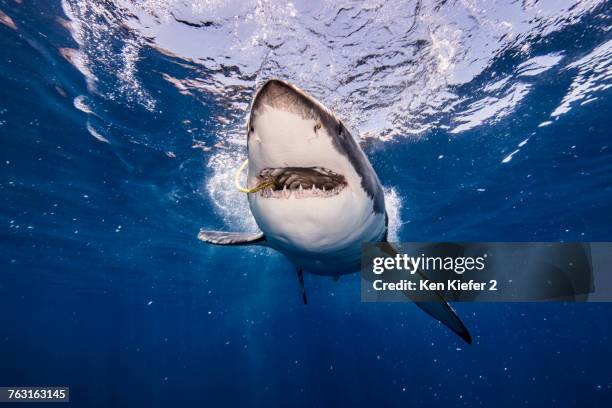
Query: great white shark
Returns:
{"type": "Point", "coordinates": [321, 198]}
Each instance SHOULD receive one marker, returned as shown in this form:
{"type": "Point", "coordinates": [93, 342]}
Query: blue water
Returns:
{"type": "Point", "coordinates": [105, 288]}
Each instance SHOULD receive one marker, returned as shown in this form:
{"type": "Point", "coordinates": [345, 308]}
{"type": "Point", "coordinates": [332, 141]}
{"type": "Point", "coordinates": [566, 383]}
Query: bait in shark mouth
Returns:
{"type": "Point", "coordinates": [314, 194]}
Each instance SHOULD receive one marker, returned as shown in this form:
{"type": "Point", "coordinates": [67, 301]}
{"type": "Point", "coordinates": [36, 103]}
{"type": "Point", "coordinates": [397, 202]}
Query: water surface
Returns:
{"type": "Point", "coordinates": [121, 124]}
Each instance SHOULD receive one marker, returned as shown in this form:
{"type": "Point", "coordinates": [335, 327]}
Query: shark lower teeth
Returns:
{"type": "Point", "coordinates": [301, 182]}
{"type": "Point", "coordinates": [300, 192]}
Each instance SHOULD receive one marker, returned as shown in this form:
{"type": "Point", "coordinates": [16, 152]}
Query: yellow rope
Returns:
{"type": "Point", "coordinates": [259, 187]}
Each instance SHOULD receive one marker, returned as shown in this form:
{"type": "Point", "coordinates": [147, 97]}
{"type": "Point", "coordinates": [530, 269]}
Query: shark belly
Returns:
{"type": "Point", "coordinates": [320, 235]}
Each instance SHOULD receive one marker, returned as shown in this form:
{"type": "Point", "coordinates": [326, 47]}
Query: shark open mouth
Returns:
{"type": "Point", "coordinates": [301, 182]}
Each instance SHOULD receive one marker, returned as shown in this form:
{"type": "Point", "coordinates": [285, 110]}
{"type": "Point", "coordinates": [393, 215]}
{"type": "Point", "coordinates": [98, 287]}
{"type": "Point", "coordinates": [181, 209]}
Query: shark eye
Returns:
{"type": "Point", "coordinates": [317, 126]}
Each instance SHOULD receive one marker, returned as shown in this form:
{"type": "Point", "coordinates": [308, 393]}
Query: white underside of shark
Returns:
{"type": "Point", "coordinates": [319, 234]}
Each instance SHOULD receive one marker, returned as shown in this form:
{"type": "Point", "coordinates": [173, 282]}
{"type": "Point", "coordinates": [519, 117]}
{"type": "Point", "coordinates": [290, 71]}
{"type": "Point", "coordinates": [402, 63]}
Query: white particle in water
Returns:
{"type": "Point", "coordinates": [509, 157]}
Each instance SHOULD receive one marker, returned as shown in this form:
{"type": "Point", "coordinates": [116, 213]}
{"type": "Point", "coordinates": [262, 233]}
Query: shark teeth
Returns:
{"type": "Point", "coordinates": [300, 192]}
{"type": "Point", "coordinates": [300, 182]}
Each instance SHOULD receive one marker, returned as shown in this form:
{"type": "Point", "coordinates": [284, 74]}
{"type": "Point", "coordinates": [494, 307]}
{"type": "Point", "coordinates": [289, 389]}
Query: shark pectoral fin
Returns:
{"type": "Point", "coordinates": [444, 313]}
{"type": "Point", "coordinates": [232, 238]}
{"type": "Point", "coordinates": [435, 305]}
{"type": "Point", "coordinates": [300, 274]}
{"type": "Point", "coordinates": [438, 308]}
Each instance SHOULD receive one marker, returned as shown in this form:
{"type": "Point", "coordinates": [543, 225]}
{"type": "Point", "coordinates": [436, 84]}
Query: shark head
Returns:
{"type": "Point", "coordinates": [322, 191]}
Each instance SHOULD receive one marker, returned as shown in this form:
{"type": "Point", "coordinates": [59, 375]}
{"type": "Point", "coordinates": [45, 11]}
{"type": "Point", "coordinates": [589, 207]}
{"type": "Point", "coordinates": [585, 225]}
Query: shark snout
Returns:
{"type": "Point", "coordinates": [280, 96]}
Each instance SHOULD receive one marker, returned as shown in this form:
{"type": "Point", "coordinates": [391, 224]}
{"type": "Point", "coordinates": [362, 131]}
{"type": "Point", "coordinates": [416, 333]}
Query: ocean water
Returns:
{"type": "Point", "coordinates": [122, 123]}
